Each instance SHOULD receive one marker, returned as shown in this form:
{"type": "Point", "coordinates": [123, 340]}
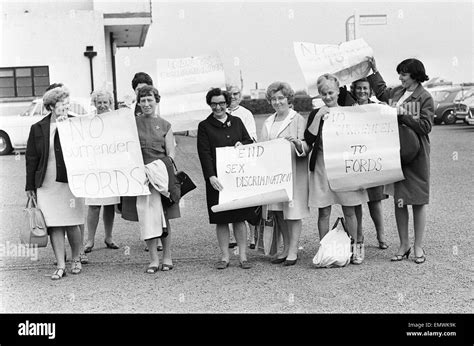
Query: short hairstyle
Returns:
{"type": "Point", "coordinates": [354, 85]}
{"type": "Point", "coordinates": [285, 89]}
{"type": "Point", "coordinates": [54, 85]}
{"type": "Point", "coordinates": [141, 77]}
{"type": "Point", "coordinates": [53, 96]}
{"type": "Point", "coordinates": [217, 92]}
{"type": "Point", "coordinates": [322, 80]}
{"type": "Point", "coordinates": [229, 87]}
{"type": "Point", "coordinates": [148, 90]}
{"type": "Point", "coordinates": [415, 68]}
{"type": "Point", "coordinates": [105, 93]}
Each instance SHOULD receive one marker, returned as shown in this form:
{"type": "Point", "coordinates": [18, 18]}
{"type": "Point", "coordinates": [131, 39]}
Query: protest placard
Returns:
{"type": "Point", "coordinates": [254, 174]}
{"type": "Point", "coordinates": [183, 85]}
{"type": "Point", "coordinates": [103, 156]}
{"type": "Point", "coordinates": [361, 147]}
{"type": "Point", "coordinates": [347, 61]}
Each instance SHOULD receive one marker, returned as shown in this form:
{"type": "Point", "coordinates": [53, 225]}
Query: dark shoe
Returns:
{"type": "Point", "coordinates": [88, 248]}
{"type": "Point", "coordinates": [58, 274]}
{"type": "Point", "coordinates": [278, 260]}
{"type": "Point", "coordinates": [146, 249]}
{"type": "Point", "coordinates": [151, 270]}
{"type": "Point", "coordinates": [245, 265]}
{"type": "Point", "coordinates": [252, 246]}
{"type": "Point", "coordinates": [232, 245]}
{"type": "Point", "coordinates": [397, 258]}
{"type": "Point", "coordinates": [159, 248]}
{"type": "Point", "coordinates": [166, 267]}
{"type": "Point", "coordinates": [290, 262]}
{"type": "Point", "coordinates": [76, 266]}
{"type": "Point", "coordinates": [222, 265]}
{"type": "Point", "coordinates": [383, 245]}
{"type": "Point", "coordinates": [83, 258]}
{"type": "Point", "coordinates": [420, 259]}
{"type": "Point", "coordinates": [111, 245]}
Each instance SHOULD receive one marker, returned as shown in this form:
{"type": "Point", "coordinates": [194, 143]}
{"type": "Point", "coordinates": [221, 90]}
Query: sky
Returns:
{"type": "Point", "coordinates": [261, 36]}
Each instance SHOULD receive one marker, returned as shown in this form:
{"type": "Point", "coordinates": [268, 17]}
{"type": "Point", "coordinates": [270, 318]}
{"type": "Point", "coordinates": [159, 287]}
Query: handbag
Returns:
{"type": "Point", "coordinates": [185, 182]}
{"type": "Point", "coordinates": [267, 236]}
{"type": "Point", "coordinates": [335, 248]}
{"type": "Point", "coordinates": [35, 232]}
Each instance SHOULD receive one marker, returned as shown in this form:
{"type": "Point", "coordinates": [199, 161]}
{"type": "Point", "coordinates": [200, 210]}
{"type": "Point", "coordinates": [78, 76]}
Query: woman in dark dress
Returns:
{"type": "Point", "coordinates": [415, 110]}
{"type": "Point", "coordinates": [221, 129]}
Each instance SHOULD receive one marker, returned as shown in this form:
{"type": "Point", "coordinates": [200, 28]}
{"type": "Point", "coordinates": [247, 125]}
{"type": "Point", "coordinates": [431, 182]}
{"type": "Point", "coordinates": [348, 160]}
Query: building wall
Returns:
{"type": "Point", "coordinates": [56, 36]}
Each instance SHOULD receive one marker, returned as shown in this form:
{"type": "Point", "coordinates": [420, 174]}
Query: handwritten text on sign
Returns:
{"type": "Point", "coordinates": [347, 61]}
{"type": "Point", "coordinates": [103, 156]}
{"type": "Point", "coordinates": [254, 169]}
{"type": "Point", "coordinates": [183, 85]}
{"type": "Point", "coordinates": [361, 147]}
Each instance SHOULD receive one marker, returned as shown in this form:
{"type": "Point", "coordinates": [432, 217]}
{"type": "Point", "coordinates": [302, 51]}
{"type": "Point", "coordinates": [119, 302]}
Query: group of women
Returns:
{"type": "Point", "coordinates": [46, 178]}
{"type": "Point", "coordinates": [311, 187]}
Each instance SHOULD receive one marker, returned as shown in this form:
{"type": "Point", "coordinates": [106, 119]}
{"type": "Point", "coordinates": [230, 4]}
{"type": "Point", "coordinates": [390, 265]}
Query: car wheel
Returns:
{"type": "Point", "coordinates": [449, 117]}
{"type": "Point", "coordinates": [5, 145]}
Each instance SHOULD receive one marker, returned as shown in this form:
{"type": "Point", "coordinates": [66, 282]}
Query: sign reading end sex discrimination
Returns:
{"type": "Point", "coordinates": [254, 174]}
{"type": "Point", "coordinates": [103, 156]}
{"type": "Point", "coordinates": [361, 147]}
{"type": "Point", "coordinates": [347, 61]}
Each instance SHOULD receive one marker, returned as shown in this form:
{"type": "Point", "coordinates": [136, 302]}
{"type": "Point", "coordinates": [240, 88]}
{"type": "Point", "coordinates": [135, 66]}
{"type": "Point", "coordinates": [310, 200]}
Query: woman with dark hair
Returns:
{"type": "Point", "coordinates": [220, 129]}
{"type": "Point", "coordinates": [46, 181]}
{"type": "Point", "coordinates": [288, 124]}
{"type": "Point", "coordinates": [415, 109]}
{"type": "Point", "coordinates": [156, 142]}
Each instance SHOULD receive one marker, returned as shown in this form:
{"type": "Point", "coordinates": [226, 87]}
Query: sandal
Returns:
{"type": "Point", "coordinates": [166, 267]}
{"type": "Point", "coordinates": [83, 258]}
{"type": "Point", "coordinates": [151, 269]}
{"type": "Point", "coordinates": [222, 264]}
{"type": "Point", "coordinates": [76, 267]}
{"type": "Point", "coordinates": [383, 245]}
{"type": "Point", "coordinates": [111, 245]}
{"type": "Point", "coordinates": [397, 258]}
{"type": "Point", "coordinates": [245, 265]}
{"type": "Point", "coordinates": [58, 274]}
{"type": "Point", "coordinates": [421, 259]}
{"type": "Point", "coordinates": [88, 248]}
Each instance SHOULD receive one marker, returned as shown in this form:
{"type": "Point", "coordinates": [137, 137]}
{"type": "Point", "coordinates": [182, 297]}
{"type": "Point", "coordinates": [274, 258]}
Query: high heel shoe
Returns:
{"type": "Point", "coordinates": [290, 262]}
{"type": "Point", "coordinates": [76, 267]}
{"type": "Point", "coordinates": [58, 274]}
{"type": "Point", "coordinates": [397, 258]}
{"type": "Point", "coordinates": [421, 259]}
{"type": "Point", "coordinates": [278, 260]}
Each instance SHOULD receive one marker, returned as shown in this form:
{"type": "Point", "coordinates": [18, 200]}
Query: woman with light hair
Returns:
{"type": "Point", "coordinates": [320, 194]}
{"type": "Point", "coordinates": [287, 123]}
{"type": "Point", "coordinates": [103, 102]}
{"type": "Point", "coordinates": [46, 181]}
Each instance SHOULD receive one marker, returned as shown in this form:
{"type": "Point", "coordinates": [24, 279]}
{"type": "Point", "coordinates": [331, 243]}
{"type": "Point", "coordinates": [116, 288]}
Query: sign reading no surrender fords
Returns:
{"type": "Point", "coordinates": [361, 147]}
{"type": "Point", "coordinates": [103, 156]}
{"type": "Point", "coordinates": [254, 174]}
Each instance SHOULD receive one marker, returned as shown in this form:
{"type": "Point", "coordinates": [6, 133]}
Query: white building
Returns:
{"type": "Point", "coordinates": [44, 42]}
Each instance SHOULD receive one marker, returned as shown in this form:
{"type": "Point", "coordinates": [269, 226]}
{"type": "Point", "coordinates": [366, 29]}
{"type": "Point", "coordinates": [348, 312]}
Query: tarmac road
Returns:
{"type": "Point", "coordinates": [114, 280]}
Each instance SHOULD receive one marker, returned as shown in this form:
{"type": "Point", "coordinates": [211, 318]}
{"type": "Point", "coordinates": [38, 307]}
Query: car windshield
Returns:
{"type": "Point", "coordinates": [29, 110]}
{"type": "Point", "coordinates": [441, 96]}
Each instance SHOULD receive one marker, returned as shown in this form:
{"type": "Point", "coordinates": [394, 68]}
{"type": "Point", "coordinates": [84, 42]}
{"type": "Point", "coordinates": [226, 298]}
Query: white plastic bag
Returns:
{"type": "Point", "coordinates": [335, 248]}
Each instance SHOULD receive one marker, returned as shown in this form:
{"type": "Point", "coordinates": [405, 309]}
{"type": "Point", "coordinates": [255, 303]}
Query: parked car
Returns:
{"type": "Point", "coordinates": [449, 104]}
{"type": "Point", "coordinates": [14, 130]}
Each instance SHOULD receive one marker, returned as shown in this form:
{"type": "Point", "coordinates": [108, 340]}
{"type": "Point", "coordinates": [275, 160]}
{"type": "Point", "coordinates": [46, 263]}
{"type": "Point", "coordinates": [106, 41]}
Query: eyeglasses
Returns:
{"type": "Point", "coordinates": [222, 104]}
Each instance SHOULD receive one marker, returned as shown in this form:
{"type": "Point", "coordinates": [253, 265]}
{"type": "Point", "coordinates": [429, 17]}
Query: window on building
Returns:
{"type": "Point", "coordinates": [23, 81]}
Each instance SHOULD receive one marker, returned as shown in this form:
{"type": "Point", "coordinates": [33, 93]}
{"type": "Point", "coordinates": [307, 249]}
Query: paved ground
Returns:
{"type": "Point", "coordinates": [114, 280]}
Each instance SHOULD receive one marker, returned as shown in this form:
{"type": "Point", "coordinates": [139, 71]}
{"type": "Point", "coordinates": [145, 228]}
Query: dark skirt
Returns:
{"type": "Point", "coordinates": [376, 194]}
{"type": "Point", "coordinates": [228, 216]}
{"type": "Point", "coordinates": [129, 209]}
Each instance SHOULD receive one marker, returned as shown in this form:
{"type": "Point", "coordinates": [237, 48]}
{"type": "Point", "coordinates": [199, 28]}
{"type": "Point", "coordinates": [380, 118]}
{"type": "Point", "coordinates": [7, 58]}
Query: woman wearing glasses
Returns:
{"type": "Point", "coordinates": [220, 129]}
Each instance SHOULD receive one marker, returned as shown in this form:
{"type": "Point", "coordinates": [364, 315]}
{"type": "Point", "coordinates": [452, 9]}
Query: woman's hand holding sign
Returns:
{"type": "Point", "coordinates": [215, 183]}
